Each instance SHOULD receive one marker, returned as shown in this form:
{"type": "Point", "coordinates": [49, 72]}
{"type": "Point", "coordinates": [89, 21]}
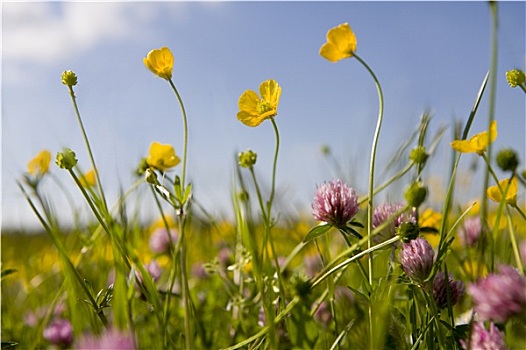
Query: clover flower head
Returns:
{"type": "Point", "coordinates": [495, 194]}
{"type": "Point", "coordinates": [382, 213]}
{"type": "Point", "coordinates": [162, 157]}
{"type": "Point", "coordinates": [161, 240]}
{"type": "Point", "coordinates": [416, 258]}
{"type": "Point", "coordinates": [247, 159]}
{"type": "Point", "coordinates": [456, 290]}
{"type": "Point", "coordinates": [59, 332]}
{"type": "Point", "coordinates": [152, 268]}
{"type": "Point", "coordinates": [482, 338]}
{"type": "Point", "coordinates": [335, 203]}
{"type": "Point", "coordinates": [323, 314]}
{"type": "Point", "coordinates": [69, 78]}
{"type": "Point", "coordinates": [39, 165]}
{"type": "Point", "coordinates": [111, 339]}
{"type": "Point", "coordinates": [341, 43]}
{"type": "Point", "coordinates": [478, 143]}
{"type": "Point", "coordinates": [253, 110]}
{"type": "Point", "coordinates": [160, 62]}
{"type": "Point", "coordinates": [66, 159]}
{"type": "Point", "coordinates": [515, 77]}
{"type": "Point", "coordinates": [470, 231]}
{"type": "Point", "coordinates": [500, 296]}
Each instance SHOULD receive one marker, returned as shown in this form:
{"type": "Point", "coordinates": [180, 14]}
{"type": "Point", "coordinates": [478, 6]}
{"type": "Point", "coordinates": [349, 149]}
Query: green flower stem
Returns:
{"type": "Point", "coordinates": [330, 267]}
{"type": "Point", "coordinates": [116, 244]}
{"type": "Point", "coordinates": [86, 141]}
{"type": "Point", "coordinates": [185, 289]}
{"type": "Point", "coordinates": [284, 313]}
{"type": "Point", "coordinates": [456, 160]}
{"type": "Point", "coordinates": [173, 271]}
{"type": "Point", "coordinates": [523, 87]}
{"type": "Point", "coordinates": [181, 243]}
{"type": "Point", "coordinates": [185, 133]}
{"type": "Point", "coordinates": [274, 168]}
{"type": "Point", "coordinates": [436, 317]}
{"type": "Point", "coordinates": [373, 159]}
{"type": "Point", "coordinates": [371, 182]}
{"type": "Point", "coordinates": [329, 270]}
{"type": "Point", "coordinates": [51, 230]}
{"type": "Point", "coordinates": [492, 98]}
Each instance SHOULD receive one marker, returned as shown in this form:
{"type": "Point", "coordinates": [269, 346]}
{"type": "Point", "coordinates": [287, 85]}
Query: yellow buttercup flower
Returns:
{"type": "Point", "coordinates": [40, 164]}
{"type": "Point", "coordinates": [88, 179]}
{"type": "Point", "coordinates": [478, 143]}
{"type": "Point", "coordinates": [162, 157]}
{"type": "Point", "coordinates": [160, 62]}
{"type": "Point", "coordinates": [341, 43]}
{"type": "Point", "coordinates": [253, 110]}
{"type": "Point", "coordinates": [430, 218]}
{"type": "Point", "coordinates": [494, 192]}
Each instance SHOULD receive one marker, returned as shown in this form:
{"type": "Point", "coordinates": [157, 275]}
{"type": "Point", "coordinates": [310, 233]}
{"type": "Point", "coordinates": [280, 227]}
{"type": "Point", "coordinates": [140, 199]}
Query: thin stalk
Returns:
{"type": "Point", "coordinates": [189, 341]}
{"type": "Point", "coordinates": [274, 167]}
{"type": "Point", "coordinates": [69, 265]}
{"type": "Point", "coordinates": [88, 147]}
{"type": "Point", "coordinates": [491, 103]}
{"type": "Point", "coordinates": [371, 182]}
{"type": "Point", "coordinates": [185, 133]}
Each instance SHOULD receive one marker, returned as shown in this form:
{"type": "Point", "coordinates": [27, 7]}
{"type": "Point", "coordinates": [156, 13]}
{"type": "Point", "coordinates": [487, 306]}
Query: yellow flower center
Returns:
{"type": "Point", "coordinates": [263, 107]}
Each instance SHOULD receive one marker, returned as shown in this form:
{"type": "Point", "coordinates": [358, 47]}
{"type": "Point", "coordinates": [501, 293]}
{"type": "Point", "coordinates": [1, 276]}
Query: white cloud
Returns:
{"type": "Point", "coordinates": [47, 32]}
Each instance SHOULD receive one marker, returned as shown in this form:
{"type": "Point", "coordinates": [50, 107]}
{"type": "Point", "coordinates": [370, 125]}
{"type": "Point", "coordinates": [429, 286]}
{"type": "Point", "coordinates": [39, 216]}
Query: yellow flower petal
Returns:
{"type": "Point", "coordinates": [162, 157]}
{"type": "Point", "coordinates": [430, 218]}
{"type": "Point", "coordinates": [248, 102]}
{"type": "Point", "coordinates": [249, 119]}
{"type": "Point", "coordinates": [88, 179]}
{"type": "Point", "coordinates": [253, 109]}
{"type": "Point", "coordinates": [478, 143]}
{"type": "Point", "coordinates": [341, 43]}
{"type": "Point", "coordinates": [495, 192]}
{"type": "Point", "coordinates": [160, 62]}
{"type": "Point", "coordinates": [40, 164]}
{"type": "Point", "coordinates": [270, 91]}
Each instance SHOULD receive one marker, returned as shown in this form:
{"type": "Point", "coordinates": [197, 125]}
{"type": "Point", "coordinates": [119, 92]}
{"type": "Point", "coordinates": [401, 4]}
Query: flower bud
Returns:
{"type": "Point", "coordinates": [507, 159]}
{"type": "Point", "coordinates": [66, 159]}
{"type": "Point", "coordinates": [247, 159]}
{"type": "Point", "coordinates": [151, 177]}
{"type": "Point", "coordinates": [416, 194]}
{"type": "Point", "coordinates": [69, 78]}
{"type": "Point", "coordinates": [515, 77]}
{"type": "Point", "coordinates": [141, 168]}
{"type": "Point", "coordinates": [418, 155]}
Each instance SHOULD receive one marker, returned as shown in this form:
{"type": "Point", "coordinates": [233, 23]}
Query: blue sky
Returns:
{"type": "Point", "coordinates": [428, 56]}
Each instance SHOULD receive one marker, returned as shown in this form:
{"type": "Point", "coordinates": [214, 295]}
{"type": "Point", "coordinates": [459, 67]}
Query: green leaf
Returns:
{"type": "Point", "coordinates": [428, 230]}
{"type": "Point", "coordinates": [350, 231]}
{"type": "Point", "coordinates": [187, 193]}
{"type": "Point", "coordinates": [316, 232]}
{"type": "Point", "coordinates": [8, 344]}
{"type": "Point", "coordinates": [356, 223]}
{"type": "Point", "coordinates": [8, 272]}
